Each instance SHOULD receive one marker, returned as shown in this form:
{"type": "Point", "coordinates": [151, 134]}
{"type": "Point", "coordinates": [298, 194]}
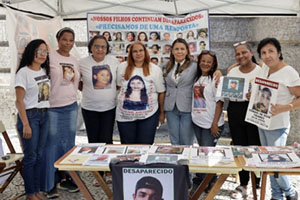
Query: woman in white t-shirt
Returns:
{"type": "Point", "coordinates": [64, 73]}
{"type": "Point", "coordinates": [207, 114]}
{"type": "Point", "coordinates": [31, 84]}
{"type": "Point", "coordinates": [98, 75]}
{"type": "Point", "coordinates": [288, 98]}
{"type": "Point", "coordinates": [141, 97]}
{"type": "Point", "coordinates": [242, 132]}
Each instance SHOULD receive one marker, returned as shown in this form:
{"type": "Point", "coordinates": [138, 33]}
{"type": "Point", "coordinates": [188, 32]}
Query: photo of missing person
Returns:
{"type": "Point", "coordinates": [87, 150]}
{"type": "Point", "coordinates": [172, 159]}
{"type": "Point", "coordinates": [199, 100]}
{"type": "Point", "coordinates": [102, 77]}
{"type": "Point", "coordinates": [68, 73]}
{"type": "Point", "coordinates": [274, 157]}
{"type": "Point", "coordinates": [44, 91]}
{"type": "Point", "coordinates": [262, 100]}
{"type": "Point", "coordinates": [233, 86]}
{"type": "Point", "coordinates": [136, 94]}
{"type": "Point", "coordinates": [169, 150]}
{"type": "Point", "coordinates": [148, 187]}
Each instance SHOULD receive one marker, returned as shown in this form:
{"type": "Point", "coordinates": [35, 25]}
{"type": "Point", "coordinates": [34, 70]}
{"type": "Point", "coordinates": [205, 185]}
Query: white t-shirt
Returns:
{"type": "Point", "coordinates": [204, 103]}
{"type": "Point", "coordinates": [64, 73]}
{"type": "Point", "coordinates": [36, 85]}
{"type": "Point", "coordinates": [286, 77]}
{"type": "Point", "coordinates": [236, 72]}
{"type": "Point", "coordinates": [141, 101]}
{"type": "Point", "coordinates": [99, 83]}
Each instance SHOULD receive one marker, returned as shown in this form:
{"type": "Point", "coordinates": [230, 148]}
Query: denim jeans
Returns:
{"type": "Point", "coordinates": [204, 136]}
{"type": "Point", "coordinates": [33, 149]}
{"type": "Point", "coordinates": [278, 137]}
{"type": "Point", "coordinates": [180, 127]}
{"type": "Point", "coordinates": [61, 138]}
{"type": "Point", "coordinates": [139, 131]}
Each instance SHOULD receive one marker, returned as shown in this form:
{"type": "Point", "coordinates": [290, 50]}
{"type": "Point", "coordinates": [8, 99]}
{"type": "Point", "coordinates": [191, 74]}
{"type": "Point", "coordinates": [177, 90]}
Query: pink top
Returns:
{"type": "Point", "coordinates": [64, 74]}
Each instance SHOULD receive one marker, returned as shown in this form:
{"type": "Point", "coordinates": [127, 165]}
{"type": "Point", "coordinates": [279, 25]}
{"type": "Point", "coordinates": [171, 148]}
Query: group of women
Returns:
{"type": "Point", "coordinates": [183, 91]}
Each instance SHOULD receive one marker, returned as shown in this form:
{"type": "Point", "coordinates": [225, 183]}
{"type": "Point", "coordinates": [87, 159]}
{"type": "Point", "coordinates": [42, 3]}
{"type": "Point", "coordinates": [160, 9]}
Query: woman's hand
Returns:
{"type": "Point", "coordinates": [215, 131]}
{"type": "Point", "coordinates": [278, 108]}
{"type": "Point", "coordinates": [248, 95]}
{"type": "Point", "coordinates": [161, 119]}
{"type": "Point", "coordinates": [27, 132]}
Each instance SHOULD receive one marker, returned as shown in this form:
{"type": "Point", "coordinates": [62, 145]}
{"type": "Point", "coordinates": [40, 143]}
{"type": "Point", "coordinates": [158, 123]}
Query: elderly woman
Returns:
{"type": "Point", "coordinates": [141, 97]}
{"type": "Point", "coordinates": [288, 98]}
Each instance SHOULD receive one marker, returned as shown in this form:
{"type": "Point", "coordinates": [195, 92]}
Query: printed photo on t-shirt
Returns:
{"type": "Point", "coordinates": [136, 97]}
{"type": "Point", "coordinates": [68, 73]}
{"type": "Point", "coordinates": [102, 77]}
{"type": "Point", "coordinates": [44, 91]}
{"type": "Point", "coordinates": [199, 99]}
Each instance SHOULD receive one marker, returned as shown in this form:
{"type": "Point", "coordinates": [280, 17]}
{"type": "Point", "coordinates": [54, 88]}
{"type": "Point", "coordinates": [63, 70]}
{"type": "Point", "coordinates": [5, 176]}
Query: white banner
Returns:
{"type": "Point", "coordinates": [155, 30]}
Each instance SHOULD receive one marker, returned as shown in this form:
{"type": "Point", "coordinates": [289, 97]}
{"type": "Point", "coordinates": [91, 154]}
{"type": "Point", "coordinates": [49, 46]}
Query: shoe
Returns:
{"type": "Point", "coordinates": [53, 194]}
{"type": "Point", "coordinates": [68, 185]}
{"type": "Point", "coordinates": [239, 193]}
{"type": "Point", "coordinates": [295, 197]}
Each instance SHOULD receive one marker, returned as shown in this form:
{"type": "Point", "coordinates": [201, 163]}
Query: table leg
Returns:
{"type": "Point", "coordinates": [263, 185]}
{"type": "Point", "coordinates": [82, 187]}
{"type": "Point", "coordinates": [103, 185]}
{"type": "Point", "coordinates": [215, 189]}
{"type": "Point", "coordinates": [202, 186]}
{"type": "Point", "coordinates": [253, 180]}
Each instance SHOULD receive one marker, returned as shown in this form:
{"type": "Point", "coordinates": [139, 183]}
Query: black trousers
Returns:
{"type": "Point", "coordinates": [242, 132]}
{"type": "Point", "coordinates": [99, 125]}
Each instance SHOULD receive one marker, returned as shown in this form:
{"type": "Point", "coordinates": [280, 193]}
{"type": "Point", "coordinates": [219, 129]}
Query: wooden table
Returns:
{"type": "Point", "coordinates": [222, 171]}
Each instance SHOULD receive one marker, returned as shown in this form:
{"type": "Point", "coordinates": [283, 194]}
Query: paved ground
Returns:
{"type": "Point", "coordinates": [17, 186]}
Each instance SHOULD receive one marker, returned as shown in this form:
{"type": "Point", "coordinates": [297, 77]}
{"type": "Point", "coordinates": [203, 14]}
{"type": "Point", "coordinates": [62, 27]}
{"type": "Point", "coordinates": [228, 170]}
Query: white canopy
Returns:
{"type": "Point", "coordinates": [79, 8]}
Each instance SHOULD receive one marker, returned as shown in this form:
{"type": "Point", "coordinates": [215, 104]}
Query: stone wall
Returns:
{"type": "Point", "coordinates": [224, 32]}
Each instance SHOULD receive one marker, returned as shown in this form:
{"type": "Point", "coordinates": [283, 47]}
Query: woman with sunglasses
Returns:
{"type": "Point", "coordinates": [207, 113]}
{"type": "Point", "coordinates": [141, 97]}
{"type": "Point", "coordinates": [32, 123]}
{"type": "Point", "coordinates": [242, 132]}
{"type": "Point", "coordinates": [288, 98]}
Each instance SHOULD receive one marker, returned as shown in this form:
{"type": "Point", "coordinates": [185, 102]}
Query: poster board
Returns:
{"type": "Point", "coordinates": [233, 87]}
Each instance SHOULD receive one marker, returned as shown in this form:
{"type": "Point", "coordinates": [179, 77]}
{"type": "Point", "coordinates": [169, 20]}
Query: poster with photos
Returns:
{"type": "Point", "coordinates": [233, 88]}
{"type": "Point", "coordinates": [264, 94]}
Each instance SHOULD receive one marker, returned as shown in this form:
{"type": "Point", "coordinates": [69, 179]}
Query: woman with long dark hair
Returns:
{"type": "Point", "coordinates": [141, 97]}
{"type": "Point", "coordinates": [32, 123]}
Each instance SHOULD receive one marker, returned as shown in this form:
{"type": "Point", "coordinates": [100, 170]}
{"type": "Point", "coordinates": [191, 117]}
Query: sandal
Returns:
{"type": "Point", "coordinates": [239, 192]}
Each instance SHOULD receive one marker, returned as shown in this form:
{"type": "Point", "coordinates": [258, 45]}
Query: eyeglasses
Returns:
{"type": "Point", "coordinates": [212, 53]}
{"type": "Point", "coordinates": [41, 51]}
{"type": "Point", "coordinates": [239, 43]}
{"type": "Point", "coordinates": [103, 47]}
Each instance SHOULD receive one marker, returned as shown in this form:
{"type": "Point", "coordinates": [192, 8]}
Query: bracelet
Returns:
{"type": "Point", "coordinates": [291, 105]}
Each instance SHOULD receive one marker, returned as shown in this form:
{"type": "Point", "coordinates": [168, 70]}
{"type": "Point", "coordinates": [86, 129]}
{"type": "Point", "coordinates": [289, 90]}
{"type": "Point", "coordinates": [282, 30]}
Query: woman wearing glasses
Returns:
{"type": "Point", "coordinates": [64, 72]}
{"type": "Point", "coordinates": [288, 98]}
{"type": "Point", "coordinates": [141, 97]}
{"type": "Point", "coordinates": [98, 75]}
{"type": "Point", "coordinates": [32, 124]}
{"type": "Point", "coordinates": [242, 132]}
{"type": "Point", "coordinates": [207, 109]}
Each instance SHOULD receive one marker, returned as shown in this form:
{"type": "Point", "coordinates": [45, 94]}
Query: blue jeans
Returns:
{"type": "Point", "coordinates": [139, 131]}
{"type": "Point", "coordinates": [61, 138]}
{"type": "Point", "coordinates": [180, 127]}
{"type": "Point", "coordinates": [278, 137]}
{"type": "Point", "coordinates": [33, 149]}
{"type": "Point", "coordinates": [204, 136]}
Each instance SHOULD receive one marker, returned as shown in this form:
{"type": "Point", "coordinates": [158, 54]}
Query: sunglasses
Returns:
{"type": "Point", "coordinates": [239, 43]}
{"type": "Point", "coordinates": [212, 53]}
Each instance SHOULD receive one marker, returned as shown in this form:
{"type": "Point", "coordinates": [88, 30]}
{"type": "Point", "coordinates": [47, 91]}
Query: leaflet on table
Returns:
{"type": "Point", "coordinates": [114, 149]}
{"type": "Point", "coordinates": [277, 149]}
{"type": "Point", "coordinates": [98, 160]}
{"type": "Point", "coordinates": [161, 158]}
{"type": "Point", "coordinates": [242, 150]}
{"type": "Point", "coordinates": [170, 149]}
{"type": "Point", "coordinates": [233, 88]}
{"type": "Point", "coordinates": [133, 157]}
{"type": "Point", "coordinates": [274, 160]}
{"type": "Point", "coordinates": [137, 149]}
{"type": "Point", "coordinates": [88, 149]}
{"type": "Point", "coordinates": [74, 160]}
{"type": "Point", "coordinates": [264, 93]}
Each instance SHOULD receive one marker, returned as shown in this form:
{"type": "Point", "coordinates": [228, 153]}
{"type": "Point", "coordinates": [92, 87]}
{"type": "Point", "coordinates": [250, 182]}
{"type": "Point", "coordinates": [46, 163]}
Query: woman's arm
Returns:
{"type": "Point", "coordinates": [161, 101]}
{"type": "Point", "coordinates": [295, 104]}
{"type": "Point", "coordinates": [214, 126]}
{"type": "Point", "coordinates": [20, 94]}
